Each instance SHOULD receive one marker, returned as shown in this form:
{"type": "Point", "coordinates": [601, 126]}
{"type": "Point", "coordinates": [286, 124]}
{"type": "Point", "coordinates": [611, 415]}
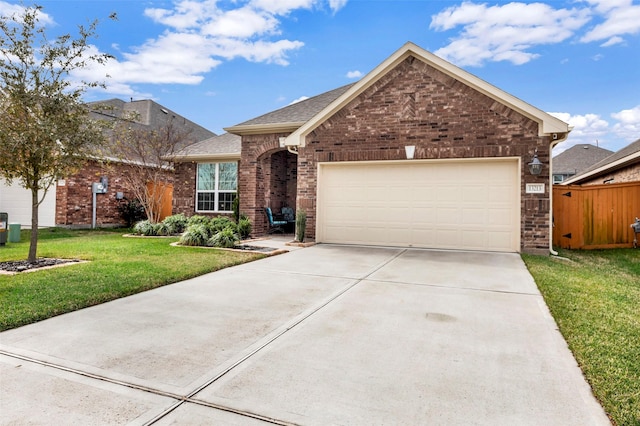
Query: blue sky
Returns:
{"type": "Point", "coordinates": [220, 63]}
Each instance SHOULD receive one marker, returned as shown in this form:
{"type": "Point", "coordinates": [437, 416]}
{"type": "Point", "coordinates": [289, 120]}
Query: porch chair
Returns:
{"type": "Point", "coordinates": [290, 217]}
{"type": "Point", "coordinates": [274, 225]}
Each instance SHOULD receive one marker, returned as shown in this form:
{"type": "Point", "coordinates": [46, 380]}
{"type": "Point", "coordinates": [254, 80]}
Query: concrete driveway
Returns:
{"type": "Point", "coordinates": [322, 335]}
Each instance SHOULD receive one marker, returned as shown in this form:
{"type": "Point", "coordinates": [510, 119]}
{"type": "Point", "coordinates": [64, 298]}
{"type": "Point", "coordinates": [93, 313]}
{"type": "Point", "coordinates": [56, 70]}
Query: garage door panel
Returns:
{"type": "Point", "coordinates": [445, 204]}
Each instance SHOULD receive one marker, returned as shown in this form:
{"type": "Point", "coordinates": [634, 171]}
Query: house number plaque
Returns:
{"type": "Point", "coordinates": [535, 188]}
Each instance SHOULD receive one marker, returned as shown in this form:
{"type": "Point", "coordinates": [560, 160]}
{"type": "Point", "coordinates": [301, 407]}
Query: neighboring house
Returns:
{"type": "Point", "coordinates": [575, 160]}
{"type": "Point", "coordinates": [70, 202]}
{"type": "Point", "coordinates": [418, 153]}
{"type": "Point", "coordinates": [619, 167]}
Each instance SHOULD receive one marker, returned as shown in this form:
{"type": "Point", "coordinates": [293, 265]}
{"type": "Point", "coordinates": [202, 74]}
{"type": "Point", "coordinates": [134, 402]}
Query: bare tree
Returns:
{"type": "Point", "coordinates": [148, 154]}
{"type": "Point", "coordinates": [45, 130]}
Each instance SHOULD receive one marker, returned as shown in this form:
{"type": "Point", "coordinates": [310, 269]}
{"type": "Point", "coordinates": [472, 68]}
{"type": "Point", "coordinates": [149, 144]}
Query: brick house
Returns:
{"type": "Point", "coordinates": [69, 203]}
{"type": "Point", "coordinates": [619, 167]}
{"type": "Point", "coordinates": [418, 153]}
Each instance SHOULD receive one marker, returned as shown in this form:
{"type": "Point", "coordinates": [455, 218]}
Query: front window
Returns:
{"type": "Point", "coordinates": [216, 187]}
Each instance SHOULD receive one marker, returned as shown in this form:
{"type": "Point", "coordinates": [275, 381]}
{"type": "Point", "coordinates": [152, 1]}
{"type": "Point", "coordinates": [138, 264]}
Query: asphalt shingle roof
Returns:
{"type": "Point", "coordinates": [620, 154]}
{"type": "Point", "coordinates": [225, 144]}
{"type": "Point", "coordinates": [300, 112]}
{"type": "Point", "coordinates": [579, 158]}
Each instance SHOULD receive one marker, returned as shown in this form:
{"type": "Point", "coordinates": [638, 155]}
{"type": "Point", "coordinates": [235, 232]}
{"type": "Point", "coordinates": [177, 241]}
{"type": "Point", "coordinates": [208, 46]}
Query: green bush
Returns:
{"type": "Point", "coordinates": [244, 227]}
{"type": "Point", "coordinates": [301, 225]}
{"type": "Point", "coordinates": [198, 220]}
{"type": "Point", "coordinates": [161, 229]}
{"type": "Point", "coordinates": [176, 224]}
{"type": "Point", "coordinates": [131, 211]}
{"type": "Point", "coordinates": [221, 222]}
{"type": "Point", "coordinates": [226, 238]}
{"type": "Point", "coordinates": [195, 235]}
{"type": "Point", "coordinates": [145, 227]}
{"type": "Point", "coordinates": [236, 208]}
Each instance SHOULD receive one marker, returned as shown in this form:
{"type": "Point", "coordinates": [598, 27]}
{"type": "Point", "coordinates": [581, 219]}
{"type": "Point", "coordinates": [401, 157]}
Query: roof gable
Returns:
{"type": "Point", "coordinates": [547, 124]}
{"type": "Point", "coordinates": [289, 118]}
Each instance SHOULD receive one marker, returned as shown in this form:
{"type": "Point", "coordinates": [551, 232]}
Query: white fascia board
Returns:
{"type": "Point", "coordinates": [604, 169]}
{"type": "Point", "coordinates": [547, 124]}
{"type": "Point", "coordinates": [260, 129]}
{"type": "Point", "coordinates": [207, 157]}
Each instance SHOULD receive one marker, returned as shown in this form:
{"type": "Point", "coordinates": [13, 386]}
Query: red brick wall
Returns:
{"type": "Point", "coordinates": [184, 189]}
{"type": "Point", "coordinates": [415, 104]}
{"type": "Point", "coordinates": [74, 200]}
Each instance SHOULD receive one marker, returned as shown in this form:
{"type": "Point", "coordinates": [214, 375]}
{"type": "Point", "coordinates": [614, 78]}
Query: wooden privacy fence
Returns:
{"type": "Point", "coordinates": [164, 197]}
{"type": "Point", "coordinates": [596, 216]}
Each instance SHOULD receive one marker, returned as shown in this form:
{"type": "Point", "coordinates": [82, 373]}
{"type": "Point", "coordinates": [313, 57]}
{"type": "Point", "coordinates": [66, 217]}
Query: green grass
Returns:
{"type": "Point", "coordinates": [595, 299]}
{"type": "Point", "coordinates": [117, 267]}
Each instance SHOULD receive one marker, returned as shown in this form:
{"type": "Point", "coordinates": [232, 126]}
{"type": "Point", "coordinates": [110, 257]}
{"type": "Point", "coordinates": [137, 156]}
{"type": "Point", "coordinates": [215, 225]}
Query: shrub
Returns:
{"type": "Point", "coordinates": [244, 227]}
{"type": "Point", "coordinates": [301, 224]}
{"type": "Point", "coordinates": [131, 211]}
{"type": "Point", "coordinates": [195, 235]}
{"type": "Point", "coordinates": [226, 238]}
{"type": "Point", "coordinates": [236, 208]}
{"type": "Point", "coordinates": [198, 220]}
{"type": "Point", "coordinates": [161, 229]}
{"type": "Point", "coordinates": [176, 224]}
{"type": "Point", "coordinates": [221, 222]}
{"type": "Point", "coordinates": [144, 227]}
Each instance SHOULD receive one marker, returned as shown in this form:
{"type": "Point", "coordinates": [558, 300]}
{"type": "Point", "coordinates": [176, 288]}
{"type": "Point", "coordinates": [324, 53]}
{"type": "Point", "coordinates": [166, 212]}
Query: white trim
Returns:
{"type": "Point", "coordinates": [216, 192]}
{"type": "Point", "coordinates": [548, 125]}
{"type": "Point", "coordinates": [259, 129]}
{"type": "Point", "coordinates": [201, 158]}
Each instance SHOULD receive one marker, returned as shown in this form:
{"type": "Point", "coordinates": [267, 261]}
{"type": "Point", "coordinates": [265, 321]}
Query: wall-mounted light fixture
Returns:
{"type": "Point", "coordinates": [410, 150]}
{"type": "Point", "coordinates": [535, 166]}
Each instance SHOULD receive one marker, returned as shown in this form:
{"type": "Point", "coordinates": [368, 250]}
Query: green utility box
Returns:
{"type": "Point", "coordinates": [14, 232]}
{"type": "Point", "coordinates": [4, 219]}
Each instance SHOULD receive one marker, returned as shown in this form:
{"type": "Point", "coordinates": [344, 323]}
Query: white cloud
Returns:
{"type": "Point", "coordinates": [199, 36]}
{"type": "Point", "coordinates": [621, 17]}
{"type": "Point", "coordinates": [504, 32]}
{"type": "Point", "coordinates": [587, 128]}
{"type": "Point", "coordinates": [628, 126]}
{"type": "Point", "coordinates": [612, 41]}
{"type": "Point", "coordinates": [10, 9]}
{"type": "Point", "coordinates": [354, 74]}
{"type": "Point", "coordinates": [336, 5]}
{"type": "Point", "coordinates": [282, 7]}
{"type": "Point", "coordinates": [593, 129]}
{"type": "Point", "coordinates": [300, 99]}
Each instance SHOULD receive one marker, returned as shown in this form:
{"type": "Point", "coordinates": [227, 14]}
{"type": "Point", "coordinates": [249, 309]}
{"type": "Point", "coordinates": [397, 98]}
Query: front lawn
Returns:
{"type": "Point", "coordinates": [117, 267]}
{"type": "Point", "coordinates": [595, 299]}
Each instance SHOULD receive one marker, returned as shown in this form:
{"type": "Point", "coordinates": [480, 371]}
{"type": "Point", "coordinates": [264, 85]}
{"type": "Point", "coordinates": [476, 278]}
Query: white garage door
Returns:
{"type": "Point", "coordinates": [446, 204]}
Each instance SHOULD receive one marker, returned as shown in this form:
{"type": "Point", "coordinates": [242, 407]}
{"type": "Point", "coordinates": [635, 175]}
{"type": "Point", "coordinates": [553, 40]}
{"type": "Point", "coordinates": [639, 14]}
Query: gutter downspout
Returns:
{"type": "Point", "coordinates": [551, 146]}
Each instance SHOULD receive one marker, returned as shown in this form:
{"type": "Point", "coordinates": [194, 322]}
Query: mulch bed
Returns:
{"type": "Point", "coordinates": [41, 262]}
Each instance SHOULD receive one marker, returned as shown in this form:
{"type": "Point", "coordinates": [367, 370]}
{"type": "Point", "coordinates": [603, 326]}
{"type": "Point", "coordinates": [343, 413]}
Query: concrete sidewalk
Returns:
{"type": "Point", "coordinates": [322, 335]}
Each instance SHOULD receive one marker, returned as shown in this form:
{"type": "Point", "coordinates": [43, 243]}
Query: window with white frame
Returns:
{"type": "Point", "coordinates": [216, 187]}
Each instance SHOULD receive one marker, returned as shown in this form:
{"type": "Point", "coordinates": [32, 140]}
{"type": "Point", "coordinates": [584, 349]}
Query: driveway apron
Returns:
{"type": "Point", "coordinates": [323, 335]}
